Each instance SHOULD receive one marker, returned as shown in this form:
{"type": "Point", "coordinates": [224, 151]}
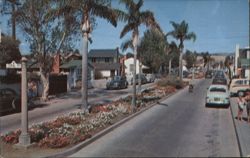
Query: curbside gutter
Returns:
{"type": "Point", "coordinates": [79, 146]}
{"type": "Point", "coordinates": [236, 132]}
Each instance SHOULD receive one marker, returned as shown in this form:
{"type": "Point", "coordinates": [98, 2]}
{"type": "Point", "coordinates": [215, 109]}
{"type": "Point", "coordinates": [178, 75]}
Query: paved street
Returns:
{"type": "Point", "coordinates": [62, 105]}
{"type": "Point", "coordinates": [179, 126]}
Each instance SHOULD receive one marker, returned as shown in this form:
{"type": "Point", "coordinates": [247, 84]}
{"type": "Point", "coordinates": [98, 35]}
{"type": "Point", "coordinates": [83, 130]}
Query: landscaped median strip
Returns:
{"type": "Point", "coordinates": [105, 131]}
{"type": "Point", "coordinates": [78, 128]}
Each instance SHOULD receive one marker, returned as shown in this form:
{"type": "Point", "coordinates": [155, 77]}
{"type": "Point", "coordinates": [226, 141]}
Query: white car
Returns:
{"type": "Point", "coordinates": [238, 86]}
{"type": "Point", "coordinates": [217, 95]}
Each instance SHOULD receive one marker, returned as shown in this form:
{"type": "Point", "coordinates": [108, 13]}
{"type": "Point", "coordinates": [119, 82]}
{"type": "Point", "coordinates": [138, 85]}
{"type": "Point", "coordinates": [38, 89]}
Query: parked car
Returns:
{"type": "Point", "coordinates": [143, 79]}
{"type": "Point", "coordinates": [209, 74]}
{"type": "Point", "coordinates": [9, 100]}
{"type": "Point", "coordinates": [117, 82]}
{"type": "Point", "coordinates": [217, 95]}
{"type": "Point", "coordinates": [150, 78]}
{"type": "Point", "coordinates": [239, 86]}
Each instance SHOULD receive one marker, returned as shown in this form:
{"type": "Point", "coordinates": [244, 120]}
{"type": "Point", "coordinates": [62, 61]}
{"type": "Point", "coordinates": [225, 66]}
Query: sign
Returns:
{"type": "Point", "coordinates": [13, 65]}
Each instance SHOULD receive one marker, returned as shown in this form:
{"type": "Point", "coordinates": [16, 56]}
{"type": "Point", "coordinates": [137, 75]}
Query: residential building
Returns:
{"type": "Point", "coordinates": [105, 62]}
{"type": "Point", "coordinates": [242, 62]}
{"type": "Point", "coordinates": [73, 70]}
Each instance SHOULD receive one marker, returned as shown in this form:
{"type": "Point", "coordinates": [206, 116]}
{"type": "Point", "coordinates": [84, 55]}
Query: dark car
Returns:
{"type": "Point", "coordinates": [220, 81]}
{"type": "Point", "coordinates": [117, 82]}
{"type": "Point", "coordinates": [9, 100]}
{"type": "Point", "coordinates": [209, 74]}
{"type": "Point", "coordinates": [143, 79]}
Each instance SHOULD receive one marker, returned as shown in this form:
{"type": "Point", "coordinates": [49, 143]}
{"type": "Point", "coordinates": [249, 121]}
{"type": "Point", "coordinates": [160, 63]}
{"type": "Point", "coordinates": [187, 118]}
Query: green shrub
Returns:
{"type": "Point", "coordinates": [171, 82]}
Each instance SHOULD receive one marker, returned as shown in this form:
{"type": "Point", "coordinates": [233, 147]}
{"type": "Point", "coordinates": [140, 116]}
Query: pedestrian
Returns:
{"type": "Point", "coordinates": [241, 103]}
{"type": "Point", "coordinates": [247, 98]}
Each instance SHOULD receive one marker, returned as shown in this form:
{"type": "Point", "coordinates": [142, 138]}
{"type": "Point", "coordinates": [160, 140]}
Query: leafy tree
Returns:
{"type": "Point", "coordinates": [190, 58]}
{"type": "Point", "coordinates": [83, 12]}
{"type": "Point", "coordinates": [46, 31]}
{"type": "Point", "coordinates": [134, 17]}
{"type": "Point", "coordinates": [10, 7]}
{"type": "Point", "coordinates": [9, 50]}
{"type": "Point", "coordinates": [152, 50]}
{"type": "Point", "coordinates": [181, 33]}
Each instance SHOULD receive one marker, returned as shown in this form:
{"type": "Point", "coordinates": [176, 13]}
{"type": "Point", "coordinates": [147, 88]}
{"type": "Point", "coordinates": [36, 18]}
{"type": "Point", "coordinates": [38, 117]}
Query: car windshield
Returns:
{"type": "Point", "coordinates": [116, 78]}
{"type": "Point", "coordinates": [216, 89]}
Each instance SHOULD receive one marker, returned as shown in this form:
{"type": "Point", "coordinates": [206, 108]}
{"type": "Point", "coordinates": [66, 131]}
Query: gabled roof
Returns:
{"type": "Point", "coordinates": [73, 64]}
{"type": "Point", "coordinates": [93, 53]}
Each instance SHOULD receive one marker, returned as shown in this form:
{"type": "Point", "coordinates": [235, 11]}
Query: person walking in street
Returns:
{"type": "Point", "coordinates": [247, 98]}
{"type": "Point", "coordinates": [241, 102]}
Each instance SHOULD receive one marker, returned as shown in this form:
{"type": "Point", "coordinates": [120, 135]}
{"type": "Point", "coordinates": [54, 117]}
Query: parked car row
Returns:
{"type": "Point", "coordinates": [121, 82]}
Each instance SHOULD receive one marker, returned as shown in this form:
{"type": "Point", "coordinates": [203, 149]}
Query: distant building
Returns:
{"type": "Point", "coordinates": [105, 61]}
{"type": "Point", "coordinates": [242, 62]}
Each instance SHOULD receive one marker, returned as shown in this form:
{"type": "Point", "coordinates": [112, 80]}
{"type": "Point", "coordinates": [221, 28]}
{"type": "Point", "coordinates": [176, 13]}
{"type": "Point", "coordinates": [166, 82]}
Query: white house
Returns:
{"type": "Point", "coordinates": [129, 67]}
{"type": "Point", "coordinates": [73, 69]}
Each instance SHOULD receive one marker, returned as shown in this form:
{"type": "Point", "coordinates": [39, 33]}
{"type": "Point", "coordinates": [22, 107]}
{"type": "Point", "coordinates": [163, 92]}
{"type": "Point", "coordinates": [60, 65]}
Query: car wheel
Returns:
{"type": "Point", "coordinates": [240, 93]}
{"type": "Point", "coordinates": [15, 105]}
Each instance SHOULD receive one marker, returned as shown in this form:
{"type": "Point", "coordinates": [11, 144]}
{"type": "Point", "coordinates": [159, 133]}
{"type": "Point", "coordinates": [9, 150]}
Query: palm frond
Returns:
{"type": "Point", "coordinates": [127, 44]}
{"type": "Point", "coordinates": [126, 29]}
{"type": "Point", "coordinates": [190, 36]}
{"type": "Point", "coordinates": [104, 12]}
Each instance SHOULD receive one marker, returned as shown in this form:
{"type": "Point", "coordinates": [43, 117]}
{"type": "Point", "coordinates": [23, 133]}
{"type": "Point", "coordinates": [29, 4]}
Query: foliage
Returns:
{"type": "Point", "coordinates": [9, 50]}
{"type": "Point", "coordinates": [172, 81]}
{"type": "Point", "coordinates": [190, 58]}
{"type": "Point", "coordinates": [152, 49]}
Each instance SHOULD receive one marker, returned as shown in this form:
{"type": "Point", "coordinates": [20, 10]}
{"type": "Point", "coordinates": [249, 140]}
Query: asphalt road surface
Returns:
{"type": "Point", "coordinates": [62, 105]}
{"type": "Point", "coordinates": [180, 126]}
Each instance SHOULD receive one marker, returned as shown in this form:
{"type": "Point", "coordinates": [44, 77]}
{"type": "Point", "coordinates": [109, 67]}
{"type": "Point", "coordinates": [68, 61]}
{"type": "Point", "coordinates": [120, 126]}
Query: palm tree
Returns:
{"type": "Point", "coordinates": [85, 11]}
{"type": "Point", "coordinates": [171, 49]}
{"type": "Point", "coordinates": [181, 33]}
{"type": "Point", "coordinates": [129, 44]}
{"type": "Point", "coordinates": [134, 18]}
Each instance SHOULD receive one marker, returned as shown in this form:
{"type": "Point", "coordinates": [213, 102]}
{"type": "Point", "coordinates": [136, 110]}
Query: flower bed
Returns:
{"type": "Point", "coordinates": [76, 127]}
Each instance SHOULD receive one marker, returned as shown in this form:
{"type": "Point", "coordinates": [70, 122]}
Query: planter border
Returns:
{"type": "Point", "coordinates": [79, 146]}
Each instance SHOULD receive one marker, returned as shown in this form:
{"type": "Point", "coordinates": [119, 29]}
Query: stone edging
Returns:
{"type": "Point", "coordinates": [79, 146]}
{"type": "Point", "coordinates": [236, 132]}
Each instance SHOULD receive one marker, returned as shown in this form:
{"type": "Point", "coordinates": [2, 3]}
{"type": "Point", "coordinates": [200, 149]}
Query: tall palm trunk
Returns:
{"type": "Point", "coordinates": [135, 41]}
{"type": "Point", "coordinates": [85, 72]}
{"type": "Point", "coordinates": [139, 77]}
{"type": "Point", "coordinates": [180, 64]}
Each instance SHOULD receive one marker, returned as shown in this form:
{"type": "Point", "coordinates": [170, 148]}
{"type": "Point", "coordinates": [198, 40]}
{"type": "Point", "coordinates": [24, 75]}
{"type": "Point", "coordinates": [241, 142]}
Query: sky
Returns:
{"type": "Point", "coordinates": [218, 24]}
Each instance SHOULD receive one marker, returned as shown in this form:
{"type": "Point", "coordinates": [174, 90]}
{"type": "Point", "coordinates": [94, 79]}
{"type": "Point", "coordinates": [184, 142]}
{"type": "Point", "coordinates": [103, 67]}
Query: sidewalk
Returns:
{"type": "Point", "coordinates": [242, 129]}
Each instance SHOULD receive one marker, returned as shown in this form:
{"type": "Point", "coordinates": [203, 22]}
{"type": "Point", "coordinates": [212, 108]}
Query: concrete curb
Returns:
{"type": "Point", "coordinates": [107, 130]}
{"type": "Point", "coordinates": [236, 132]}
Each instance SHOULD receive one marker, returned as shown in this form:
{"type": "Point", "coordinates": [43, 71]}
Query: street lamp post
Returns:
{"type": "Point", "coordinates": [24, 138]}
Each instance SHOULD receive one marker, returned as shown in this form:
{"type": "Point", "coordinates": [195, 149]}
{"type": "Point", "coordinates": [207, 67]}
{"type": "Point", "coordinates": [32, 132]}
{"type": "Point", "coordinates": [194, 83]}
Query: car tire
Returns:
{"type": "Point", "coordinates": [241, 93]}
{"type": "Point", "coordinates": [15, 106]}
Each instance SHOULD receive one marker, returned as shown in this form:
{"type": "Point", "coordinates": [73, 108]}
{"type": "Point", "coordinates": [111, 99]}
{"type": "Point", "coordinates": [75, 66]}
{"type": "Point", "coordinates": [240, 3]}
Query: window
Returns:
{"type": "Point", "coordinates": [107, 60]}
{"type": "Point", "coordinates": [214, 89]}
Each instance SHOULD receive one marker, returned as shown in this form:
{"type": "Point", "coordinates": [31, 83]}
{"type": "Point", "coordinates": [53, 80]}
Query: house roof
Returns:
{"type": "Point", "coordinates": [107, 66]}
{"type": "Point", "coordinates": [74, 63]}
{"type": "Point", "coordinates": [102, 53]}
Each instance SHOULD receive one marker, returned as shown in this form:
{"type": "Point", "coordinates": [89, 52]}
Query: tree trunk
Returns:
{"type": "Point", "coordinates": [85, 72]}
{"type": "Point", "coordinates": [180, 65]}
{"type": "Point", "coordinates": [169, 67]}
{"type": "Point", "coordinates": [45, 84]}
{"type": "Point", "coordinates": [139, 77]}
{"type": "Point", "coordinates": [135, 41]}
